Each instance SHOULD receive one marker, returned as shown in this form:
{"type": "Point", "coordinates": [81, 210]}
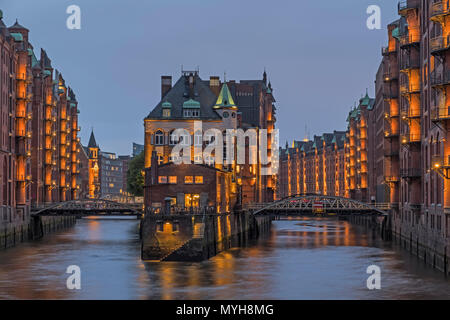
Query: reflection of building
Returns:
{"type": "Point", "coordinates": [137, 149]}
{"type": "Point", "coordinates": [83, 178]}
{"type": "Point", "coordinates": [217, 105]}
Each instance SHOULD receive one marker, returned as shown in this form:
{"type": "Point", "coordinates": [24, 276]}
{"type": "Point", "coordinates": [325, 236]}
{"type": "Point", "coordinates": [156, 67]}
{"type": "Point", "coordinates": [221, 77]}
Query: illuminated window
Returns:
{"type": "Point", "coordinates": [198, 179]}
{"type": "Point", "coordinates": [160, 159]}
{"type": "Point", "coordinates": [188, 179]}
{"type": "Point", "coordinates": [172, 179]}
{"type": "Point", "coordinates": [162, 179]}
{"type": "Point", "coordinates": [166, 113]}
{"type": "Point", "coordinates": [173, 138]}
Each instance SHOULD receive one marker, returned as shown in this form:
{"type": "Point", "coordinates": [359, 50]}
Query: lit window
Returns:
{"type": "Point", "coordinates": [162, 179]}
{"type": "Point", "coordinates": [198, 179]}
{"type": "Point", "coordinates": [166, 113]}
{"type": "Point", "coordinates": [172, 179]}
{"type": "Point", "coordinates": [188, 179]}
{"type": "Point", "coordinates": [160, 159]}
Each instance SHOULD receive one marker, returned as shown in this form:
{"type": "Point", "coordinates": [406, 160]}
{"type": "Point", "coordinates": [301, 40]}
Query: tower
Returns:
{"type": "Point", "coordinates": [94, 180]}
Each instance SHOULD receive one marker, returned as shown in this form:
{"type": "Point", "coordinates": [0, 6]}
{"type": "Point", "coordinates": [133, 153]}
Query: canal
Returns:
{"type": "Point", "coordinates": [299, 259]}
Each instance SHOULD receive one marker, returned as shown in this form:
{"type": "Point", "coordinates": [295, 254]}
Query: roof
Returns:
{"type": "Point", "coordinates": [191, 104]}
{"type": "Point", "coordinates": [92, 143]}
{"type": "Point", "coordinates": [225, 99]}
{"type": "Point", "coordinates": [201, 95]}
{"type": "Point", "coordinates": [17, 25]}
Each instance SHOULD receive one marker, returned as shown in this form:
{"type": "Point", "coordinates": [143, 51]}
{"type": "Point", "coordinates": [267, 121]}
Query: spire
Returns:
{"type": "Point", "coordinates": [92, 142]}
{"type": "Point", "coordinates": [265, 76]}
{"type": "Point", "coordinates": [225, 99]}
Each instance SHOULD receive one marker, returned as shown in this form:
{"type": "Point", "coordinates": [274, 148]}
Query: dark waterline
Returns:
{"type": "Point", "coordinates": [300, 259]}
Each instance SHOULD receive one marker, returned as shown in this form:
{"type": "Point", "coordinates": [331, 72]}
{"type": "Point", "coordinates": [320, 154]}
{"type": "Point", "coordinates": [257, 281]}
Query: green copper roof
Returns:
{"type": "Point", "coordinates": [366, 100]}
{"type": "Point", "coordinates": [167, 105]}
{"type": "Point", "coordinates": [17, 37]}
{"type": "Point", "coordinates": [47, 72]}
{"type": "Point", "coordinates": [191, 104]}
{"type": "Point", "coordinates": [225, 100]}
{"type": "Point", "coordinates": [34, 60]}
{"type": "Point", "coordinates": [396, 33]}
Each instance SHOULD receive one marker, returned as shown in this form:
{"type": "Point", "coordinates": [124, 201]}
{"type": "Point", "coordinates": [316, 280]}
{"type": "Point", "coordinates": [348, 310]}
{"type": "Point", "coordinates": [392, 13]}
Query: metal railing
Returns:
{"type": "Point", "coordinates": [410, 63]}
{"type": "Point", "coordinates": [410, 138]}
{"type": "Point", "coordinates": [440, 113]}
{"type": "Point", "coordinates": [408, 4]}
{"type": "Point", "coordinates": [409, 88]}
{"type": "Point", "coordinates": [413, 36]}
{"type": "Point", "coordinates": [439, 43]}
{"type": "Point", "coordinates": [410, 173]}
{"type": "Point", "coordinates": [440, 78]}
{"type": "Point", "coordinates": [439, 8]}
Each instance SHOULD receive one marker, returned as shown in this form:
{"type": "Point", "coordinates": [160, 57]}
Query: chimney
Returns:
{"type": "Point", "coordinates": [214, 85]}
{"type": "Point", "coordinates": [166, 85]}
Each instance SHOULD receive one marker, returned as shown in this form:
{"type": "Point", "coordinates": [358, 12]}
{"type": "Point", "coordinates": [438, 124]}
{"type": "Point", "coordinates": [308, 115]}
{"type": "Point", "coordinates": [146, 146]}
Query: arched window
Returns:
{"type": "Point", "coordinates": [159, 138]}
{"type": "Point", "coordinates": [173, 138]}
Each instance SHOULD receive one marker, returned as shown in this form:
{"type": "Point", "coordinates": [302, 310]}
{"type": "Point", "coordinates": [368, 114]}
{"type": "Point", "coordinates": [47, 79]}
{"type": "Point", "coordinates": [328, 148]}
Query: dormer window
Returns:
{"type": "Point", "coordinates": [191, 109]}
{"type": "Point", "coordinates": [166, 107]}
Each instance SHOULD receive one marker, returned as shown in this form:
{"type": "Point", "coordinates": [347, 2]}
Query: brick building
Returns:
{"type": "Point", "coordinates": [219, 106]}
{"type": "Point", "coordinates": [39, 129]}
{"type": "Point", "coordinates": [397, 146]}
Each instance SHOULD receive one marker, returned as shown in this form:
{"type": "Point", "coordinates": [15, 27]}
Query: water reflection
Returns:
{"type": "Point", "coordinates": [299, 259]}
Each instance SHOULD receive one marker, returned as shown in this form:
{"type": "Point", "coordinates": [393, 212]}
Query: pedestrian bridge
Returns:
{"type": "Point", "coordinates": [89, 207]}
{"type": "Point", "coordinates": [318, 204]}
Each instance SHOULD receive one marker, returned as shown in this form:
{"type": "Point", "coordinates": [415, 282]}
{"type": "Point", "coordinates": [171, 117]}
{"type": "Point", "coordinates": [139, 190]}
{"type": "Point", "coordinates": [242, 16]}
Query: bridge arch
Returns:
{"type": "Point", "coordinates": [307, 203]}
{"type": "Point", "coordinates": [87, 207]}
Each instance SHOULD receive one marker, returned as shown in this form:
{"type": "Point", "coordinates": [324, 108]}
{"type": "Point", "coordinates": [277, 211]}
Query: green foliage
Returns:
{"type": "Point", "coordinates": [135, 181]}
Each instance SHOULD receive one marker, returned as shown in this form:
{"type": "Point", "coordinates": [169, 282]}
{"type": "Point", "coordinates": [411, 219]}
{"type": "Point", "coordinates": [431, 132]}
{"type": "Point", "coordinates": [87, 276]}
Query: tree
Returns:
{"type": "Point", "coordinates": [135, 181]}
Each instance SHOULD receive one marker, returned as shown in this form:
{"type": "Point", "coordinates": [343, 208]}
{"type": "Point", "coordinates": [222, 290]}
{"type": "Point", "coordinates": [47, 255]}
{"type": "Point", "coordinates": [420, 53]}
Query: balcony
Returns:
{"type": "Point", "coordinates": [441, 165]}
{"type": "Point", "coordinates": [410, 173]}
{"type": "Point", "coordinates": [410, 113]}
{"type": "Point", "coordinates": [404, 6]}
{"type": "Point", "coordinates": [438, 10]}
{"type": "Point", "coordinates": [440, 78]}
{"type": "Point", "coordinates": [389, 134]}
{"type": "Point", "coordinates": [410, 138]}
{"type": "Point", "coordinates": [411, 38]}
{"type": "Point", "coordinates": [391, 179]}
{"type": "Point", "coordinates": [439, 44]}
{"type": "Point", "coordinates": [386, 51]}
{"type": "Point", "coordinates": [440, 114]}
{"type": "Point", "coordinates": [390, 76]}
{"type": "Point", "coordinates": [410, 88]}
{"type": "Point", "coordinates": [410, 63]}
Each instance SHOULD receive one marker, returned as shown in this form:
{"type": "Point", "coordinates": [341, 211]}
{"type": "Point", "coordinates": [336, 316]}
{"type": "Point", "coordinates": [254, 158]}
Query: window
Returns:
{"type": "Point", "coordinates": [225, 114]}
{"type": "Point", "coordinates": [162, 179]}
{"type": "Point", "coordinates": [159, 138]}
{"type": "Point", "coordinates": [166, 113]}
{"type": "Point", "coordinates": [173, 139]}
{"type": "Point", "coordinates": [194, 113]}
{"type": "Point", "coordinates": [198, 179]}
{"type": "Point", "coordinates": [209, 160]}
{"type": "Point", "coordinates": [173, 158]}
{"type": "Point", "coordinates": [173, 179]}
{"type": "Point", "coordinates": [198, 138]}
{"type": "Point", "coordinates": [188, 179]}
{"type": "Point", "coordinates": [160, 159]}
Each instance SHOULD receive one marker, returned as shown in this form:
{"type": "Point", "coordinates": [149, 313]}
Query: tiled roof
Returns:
{"type": "Point", "coordinates": [179, 94]}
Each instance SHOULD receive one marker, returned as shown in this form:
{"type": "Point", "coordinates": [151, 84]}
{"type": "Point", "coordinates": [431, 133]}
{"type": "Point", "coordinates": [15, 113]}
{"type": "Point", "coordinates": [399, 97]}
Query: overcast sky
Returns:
{"type": "Point", "coordinates": [319, 55]}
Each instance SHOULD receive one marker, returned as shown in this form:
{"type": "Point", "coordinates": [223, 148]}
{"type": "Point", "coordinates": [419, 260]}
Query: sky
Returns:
{"type": "Point", "coordinates": [319, 55]}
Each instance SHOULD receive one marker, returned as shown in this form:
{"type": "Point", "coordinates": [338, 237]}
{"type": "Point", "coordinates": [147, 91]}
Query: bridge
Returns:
{"type": "Point", "coordinates": [89, 207]}
{"type": "Point", "coordinates": [318, 204]}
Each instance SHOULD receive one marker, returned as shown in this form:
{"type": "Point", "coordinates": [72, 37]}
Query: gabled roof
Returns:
{"type": "Point", "coordinates": [225, 99]}
{"type": "Point", "coordinates": [179, 94]}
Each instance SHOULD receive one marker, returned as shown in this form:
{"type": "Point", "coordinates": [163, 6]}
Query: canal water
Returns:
{"type": "Point", "coordinates": [299, 259]}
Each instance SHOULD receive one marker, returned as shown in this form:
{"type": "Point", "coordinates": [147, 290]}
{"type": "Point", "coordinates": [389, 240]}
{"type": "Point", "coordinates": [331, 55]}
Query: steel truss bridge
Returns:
{"type": "Point", "coordinates": [90, 207]}
{"type": "Point", "coordinates": [318, 204]}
